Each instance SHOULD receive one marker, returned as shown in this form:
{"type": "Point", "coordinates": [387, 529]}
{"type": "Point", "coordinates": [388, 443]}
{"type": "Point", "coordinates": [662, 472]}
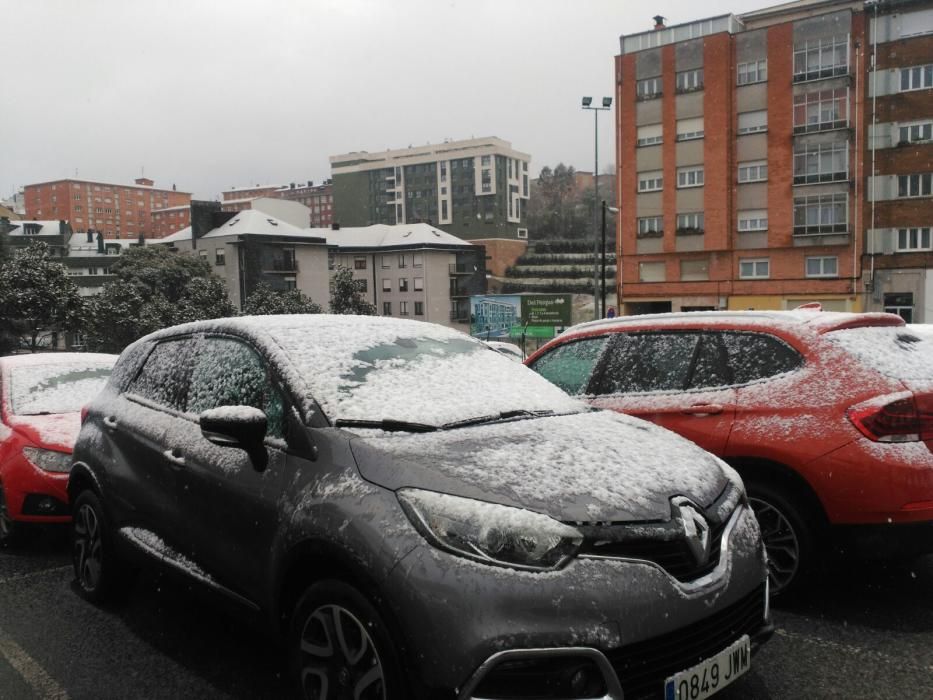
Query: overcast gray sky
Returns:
{"type": "Point", "coordinates": [206, 95]}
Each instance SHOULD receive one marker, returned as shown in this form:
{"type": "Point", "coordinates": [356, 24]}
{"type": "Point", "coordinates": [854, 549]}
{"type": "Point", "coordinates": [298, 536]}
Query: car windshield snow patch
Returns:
{"type": "Point", "coordinates": [55, 388]}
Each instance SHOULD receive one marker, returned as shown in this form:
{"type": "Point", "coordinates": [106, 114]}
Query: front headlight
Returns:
{"type": "Point", "coordinates": [49, 460]}
{"type": "Point", "coordinates": [489, 532]}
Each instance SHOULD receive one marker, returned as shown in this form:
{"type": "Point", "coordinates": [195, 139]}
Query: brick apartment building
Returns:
{"type": "Point", "coordinates": [118, 211]}
{"type": "Point", "coordinates": [318, 198]}
{"type": "Point", "coordinates": [167, 221]}
{"type": "Point", "coordinates": [738, 144]}
{"type": "Point", "coordinates": [897, 271]}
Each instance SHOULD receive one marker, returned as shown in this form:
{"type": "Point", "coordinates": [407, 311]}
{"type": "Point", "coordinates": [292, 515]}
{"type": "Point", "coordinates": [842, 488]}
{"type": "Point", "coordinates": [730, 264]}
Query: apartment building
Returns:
{"type": "Point", "coordinates": [318, 198]}
{"type": "Point", "coordinates": [113, 209]}
{"type": "Point", "coordinates": [475, 189]}
{"type": "Point", "coordinates": [170, 220]}
{"type": "Point", "coordinates": [239, 198]}
{"type": "Point", "coordinates": [739, 170]}
{"type": "Point", "coordinates": [897, 270]}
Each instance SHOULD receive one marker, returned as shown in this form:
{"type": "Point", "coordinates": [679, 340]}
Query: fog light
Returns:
{"type": "Point", "coordinates": [46, 505]}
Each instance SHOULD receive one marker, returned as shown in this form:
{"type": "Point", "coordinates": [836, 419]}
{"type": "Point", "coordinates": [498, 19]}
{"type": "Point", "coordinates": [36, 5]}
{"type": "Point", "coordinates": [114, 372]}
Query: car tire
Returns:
{"type": "Point", "coordinates": [100, 576]}
{"type": "Point", "coordinates": [10, 530]}
{"type": "Point", "coordinates": [339, 641]}
{"type": "Point", "coordinates": [789, 538]}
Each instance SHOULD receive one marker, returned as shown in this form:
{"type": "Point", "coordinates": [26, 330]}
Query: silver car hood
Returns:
{"type": "Point", "coordinates": [587, 467]}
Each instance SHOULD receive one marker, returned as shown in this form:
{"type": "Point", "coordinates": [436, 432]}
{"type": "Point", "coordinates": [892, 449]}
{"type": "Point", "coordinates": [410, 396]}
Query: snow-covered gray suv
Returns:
{"type": "Point", "coordinates": [417, 515]}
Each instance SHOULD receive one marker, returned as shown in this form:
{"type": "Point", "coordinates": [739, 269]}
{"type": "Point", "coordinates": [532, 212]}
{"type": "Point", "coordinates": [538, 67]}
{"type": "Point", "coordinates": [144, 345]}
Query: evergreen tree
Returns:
{"type": "Point", "coordinates": [346, 294]}
{"type": "Point", "coordinates": [264, 300]}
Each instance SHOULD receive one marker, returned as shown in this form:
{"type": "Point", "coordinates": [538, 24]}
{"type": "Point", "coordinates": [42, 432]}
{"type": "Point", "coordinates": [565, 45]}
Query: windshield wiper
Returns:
{"type": "Point", "coordinates": [504, 415]}
{"type": "Point", "coordinates": [387, 424]}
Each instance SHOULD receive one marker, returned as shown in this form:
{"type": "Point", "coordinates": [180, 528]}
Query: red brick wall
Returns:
{"type": "Point", "coordinates": [780, 136]}
{"type": "Point", "coordinates": [625, 149]}
{"type": "Point", "coordinates": [669, 148]}
{"type": "Point", "coordinates": [719, 137]}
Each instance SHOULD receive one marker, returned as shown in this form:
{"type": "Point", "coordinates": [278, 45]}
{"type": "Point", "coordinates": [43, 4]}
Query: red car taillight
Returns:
{"type": "Point", "coordinates": [896, 421]}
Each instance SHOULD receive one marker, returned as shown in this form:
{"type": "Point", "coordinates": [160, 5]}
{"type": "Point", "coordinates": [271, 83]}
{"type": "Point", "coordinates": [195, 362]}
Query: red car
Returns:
{"type": "Point", "coordinates": [40, 403]}
{"type": "Point", "coordinates": [828, 417]}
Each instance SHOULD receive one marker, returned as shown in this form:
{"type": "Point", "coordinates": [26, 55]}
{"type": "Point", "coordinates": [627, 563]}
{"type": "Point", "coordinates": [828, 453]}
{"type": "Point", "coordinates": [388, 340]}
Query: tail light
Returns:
{"type": "Point", "coordinates": [83, 414]}
{"type": "Point", "coordinates": [893, 418]}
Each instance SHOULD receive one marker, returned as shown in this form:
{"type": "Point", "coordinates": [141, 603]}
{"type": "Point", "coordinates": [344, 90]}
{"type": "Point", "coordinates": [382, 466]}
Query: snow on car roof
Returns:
{"type": "Point", "coordinates": [375, 368]}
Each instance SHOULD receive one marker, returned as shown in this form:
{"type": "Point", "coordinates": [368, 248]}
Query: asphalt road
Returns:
{"type": "Point", "coordinates": [865, 632]}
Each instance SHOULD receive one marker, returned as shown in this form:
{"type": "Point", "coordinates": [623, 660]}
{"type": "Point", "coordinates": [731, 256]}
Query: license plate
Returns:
{"type": "Point", "coordinates": [710, 675]}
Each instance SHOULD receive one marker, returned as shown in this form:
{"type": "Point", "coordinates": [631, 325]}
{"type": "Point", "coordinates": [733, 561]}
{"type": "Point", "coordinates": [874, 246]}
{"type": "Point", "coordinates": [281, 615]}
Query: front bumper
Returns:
{"type": "Point", "coordinates": [462, 618]}
{"type": "Point", "coordinates": [33, 494]}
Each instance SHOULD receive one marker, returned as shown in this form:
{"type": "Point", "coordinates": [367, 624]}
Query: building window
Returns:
{"type": "Point", "coordinates": [917, 77]}
{"type": "Point", "coordinates": [690, 177]}
{"type": "Point", "coordinates": [648, 88]}
{"type": "Point", "coordinates": [824, 213]}
{"type": "Point", "coordinates": [651, 181]}
{"type": "Point", "coordinates": [690, 223]}
{"type": "Point", "coordinates": [201, 254]}
{"type": "Point", "coordinates": [387, 308]}
{"type": "Point", "coordinates": [522, 233]}
{"type": "Point", "coordinates": [401, 261]}
{"type": "Point", "coordinates": [386, 285]}
{"type": "Point", "coordinates": [359, 262]}
{"type": "Point", "coordinates": [652, 272]}
{"type": "Point", "coordinates": [752, 72]}
{"type": "Point", "coordinates": [419, 308]}
{"type": "Point", "coordinates": [689, 80]}
{"type": "Point", "coordinates": [753, 122]}
{"type": "Point", "coordinates": [916, 133]}
{"type": "Point", "coordinates": [403, 308]}
{"type": "Point", "coordinates": [417, 260]}
{"type": "Point", "coordinates": [821, 110]}
{"type": "Point", "coordinates": [821, 162]}
{"type": "Point", "coordinates": [753, 220]}
{"type": "Point", "coordinates": [901, 304]}
{"type": "Point", "coordinates": [418, 284]}
{"type": "Point", "coordinates": [219, 256]}
{"type": "Point", "coordinates": [386, 261]}
{"type": "Point", "coordinates": [649, 135]}
{"type": "Point", "coordinates": [910, 239]}
{"type": "Point", "coordinates": [403, 284]}
{"type": "Point", "coordinates": [916, 185]}
{"type": "Point", "coordinates": [822, 266]}
{"type": "Point", "coordinates": [362, 285]}
{"type": "Point", "coordinates": [694, 270]}
{"type": "Point", "coordinates": [753, 171]}
{"type": "Point", "coordinates": [821, 58]}
{"type": "Point", "coordinates": [649, 226]}
{"type": "Point", "coordinates": [754, 268]}
{"type": "Point", "coordinates": [688, 129]}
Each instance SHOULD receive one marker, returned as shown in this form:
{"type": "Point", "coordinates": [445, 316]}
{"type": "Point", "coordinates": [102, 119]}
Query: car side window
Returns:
{"type": "Point", "coordinates": [163, 377]}
{"type": "Point", "coordinates": [754, 356]}
{"type": "Point", "coordinates": [227, 372]}
{"type": "Point", "coordinates": [711, 366]}
{"type": "Point", "coordinates": [570, 365]}
{"type": "Point", "coordinates": [647, 362]}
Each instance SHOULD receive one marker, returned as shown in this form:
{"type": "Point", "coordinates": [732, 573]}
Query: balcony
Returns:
{"type": "Point", "coordinates": [816, 127]}
{"type": "Point", "coordinates": [284, 265]}
{"type": "Point", "coordinates": [821, 73]}
{"type": "Point", "coordinates": [460, 316]}
{"type": "Point", "coordinates": [462, 268]}
{"type": "Point", "coordinates": [820, 229]}
{"type": "Point", "coordinates": [820, 178]}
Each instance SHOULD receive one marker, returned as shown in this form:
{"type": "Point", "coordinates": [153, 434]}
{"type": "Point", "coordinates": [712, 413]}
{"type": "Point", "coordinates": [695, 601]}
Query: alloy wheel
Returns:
{"type": "Point", "coordinates": [781, 544]}
{"type": "Point", "coordinates": [6, 524]}
{"type": "Point", "coordinates": [88, 547]}
{"type": "Point", "coordinates": [339, 660]}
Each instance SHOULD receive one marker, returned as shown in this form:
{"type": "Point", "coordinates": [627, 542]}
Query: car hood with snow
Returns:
{"type": "Point", "coordinates": [584, 467]}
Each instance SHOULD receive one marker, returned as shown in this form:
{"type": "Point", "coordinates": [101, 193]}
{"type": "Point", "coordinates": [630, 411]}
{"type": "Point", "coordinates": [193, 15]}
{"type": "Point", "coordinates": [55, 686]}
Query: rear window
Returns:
{"type": "Point", "coordinates": [897, 352]}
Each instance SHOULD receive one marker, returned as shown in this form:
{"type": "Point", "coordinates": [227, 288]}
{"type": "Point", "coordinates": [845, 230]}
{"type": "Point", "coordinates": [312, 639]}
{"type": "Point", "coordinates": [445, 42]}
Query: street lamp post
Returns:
{"type": "Point", "coordinates": [588, 104]}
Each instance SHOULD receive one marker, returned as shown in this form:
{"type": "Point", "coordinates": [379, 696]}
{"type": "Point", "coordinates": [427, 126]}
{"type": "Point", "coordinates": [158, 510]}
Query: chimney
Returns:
{"type": "Point", "coordinates": [335, 226]}
{"type": "Point", "coordinates": [100, 243]}
{"type": "Point", "coordinates": [90, 236]}
{"type": "Point", "coordinates": [202, 219]}
{"type": "Point", "coordinates": [658, 21]}
{"type": "Point", "coordinates": [310, 183]}
{"type": "Point", "coordinates": [144, 182]}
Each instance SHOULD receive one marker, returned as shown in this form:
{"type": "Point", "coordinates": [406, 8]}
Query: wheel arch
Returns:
{"type": "Point", "coordinates": [80, 479]}
{"type": "Point", "coordinates": [786, 479]}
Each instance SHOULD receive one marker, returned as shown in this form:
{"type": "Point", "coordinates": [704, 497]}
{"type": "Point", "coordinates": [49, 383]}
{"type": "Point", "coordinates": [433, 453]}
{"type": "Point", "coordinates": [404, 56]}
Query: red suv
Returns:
{"type": "Point", "coordinates": [827, 416]}
{"type": "Point", "coordinates": [40, 402]}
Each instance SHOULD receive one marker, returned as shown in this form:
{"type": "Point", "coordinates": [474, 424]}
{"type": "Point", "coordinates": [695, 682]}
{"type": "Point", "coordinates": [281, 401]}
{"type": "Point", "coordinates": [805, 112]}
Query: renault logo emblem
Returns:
{"type": "Point", "coordinates": [696, 529]}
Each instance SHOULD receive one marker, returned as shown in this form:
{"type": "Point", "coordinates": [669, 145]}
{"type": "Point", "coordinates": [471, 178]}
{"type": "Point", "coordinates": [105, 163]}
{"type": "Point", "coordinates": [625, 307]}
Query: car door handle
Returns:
{"type": "Point", "coordinates": [110, 422]}
{"type": "Point", "coordinates": [175, 456]}
{"type": "Point", "coordinates": [703, 409]}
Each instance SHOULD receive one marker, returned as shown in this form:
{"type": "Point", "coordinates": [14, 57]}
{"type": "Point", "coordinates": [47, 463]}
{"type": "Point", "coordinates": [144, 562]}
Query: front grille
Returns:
{"type": "Point", "coordinates": [672, 555]}
{"type": "Point", "coordinates": [643, 667]}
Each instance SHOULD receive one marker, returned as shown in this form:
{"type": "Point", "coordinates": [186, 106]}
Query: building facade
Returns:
{"type": "Point", "coordinates": [115, 210]}
{"type": "Point", "coordinates": [740, 176]}
{"type": "Point", "coordinates": [318, 198]}
{"type": "Point", "coordinates": [897, 270]}
{"type": "Point", "coordinates": [170, 220]}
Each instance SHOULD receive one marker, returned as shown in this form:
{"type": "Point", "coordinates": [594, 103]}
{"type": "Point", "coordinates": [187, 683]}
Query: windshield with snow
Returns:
{"type": "Point", "coordinates": [412, 372]}
{"type": "Point", "coordinates": [898, 351]}
{"type": "Point", "coordinates": [55, 388]}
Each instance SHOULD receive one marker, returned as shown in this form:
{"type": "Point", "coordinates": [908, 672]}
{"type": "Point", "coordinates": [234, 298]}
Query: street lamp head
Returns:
{"type": "Point", "coordinates": [607, 102]}
{"type": "Point", "coordinates": [587, 101]}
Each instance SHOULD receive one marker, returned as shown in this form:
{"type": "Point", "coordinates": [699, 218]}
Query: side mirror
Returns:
{"type": "Point", "coordinates": [237, 426]}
